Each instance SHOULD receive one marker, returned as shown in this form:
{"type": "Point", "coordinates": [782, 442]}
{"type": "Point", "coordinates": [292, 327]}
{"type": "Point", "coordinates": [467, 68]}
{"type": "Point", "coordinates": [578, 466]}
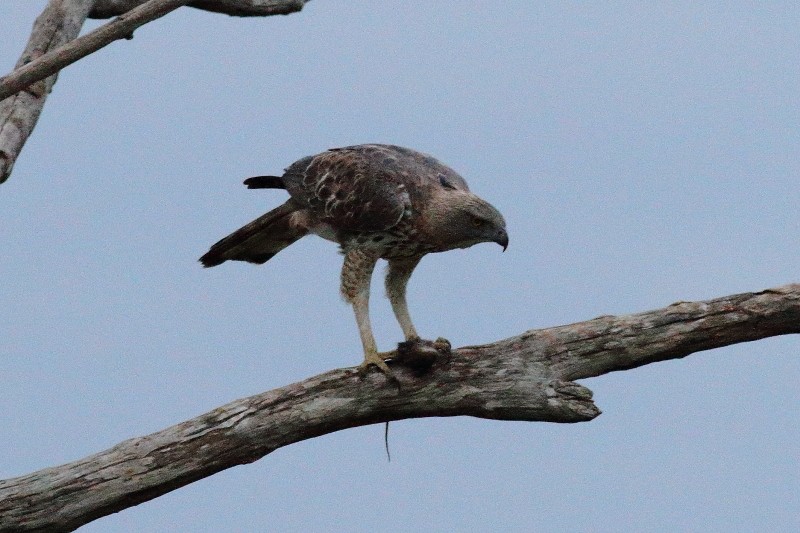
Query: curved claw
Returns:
{"type": "Point", "coordinates": [377, 359]}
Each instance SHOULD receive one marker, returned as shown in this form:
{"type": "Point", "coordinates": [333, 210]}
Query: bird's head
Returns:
{"type": "Point", "coordinates": [463, 219]}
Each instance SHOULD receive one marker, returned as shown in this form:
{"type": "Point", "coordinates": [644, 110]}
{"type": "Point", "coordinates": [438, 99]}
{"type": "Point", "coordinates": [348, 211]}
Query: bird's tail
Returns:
{"type": "Point", "coordinates": [259, 240]}
{"type": "Point", "coordinates": [265, 182]}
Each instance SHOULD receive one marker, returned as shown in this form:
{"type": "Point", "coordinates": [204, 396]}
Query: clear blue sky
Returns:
{"type": "Point", "coordinates": [642, 153]}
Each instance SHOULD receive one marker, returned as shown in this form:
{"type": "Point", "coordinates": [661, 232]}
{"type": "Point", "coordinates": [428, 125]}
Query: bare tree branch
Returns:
{"type": "Point", "coordinates": [53, 61]}
{"type": "Point", "coordinates": [520, 378]}
{"type": "Point", "coordinates": [59, 23]}
{"type": "Point", "coordinates": [239, 8]}
{"type": "Point", "coordinates": [24, 90]}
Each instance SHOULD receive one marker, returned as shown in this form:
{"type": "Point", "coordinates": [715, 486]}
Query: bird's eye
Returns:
{"type": "Point", "coordinates": [477, 222]}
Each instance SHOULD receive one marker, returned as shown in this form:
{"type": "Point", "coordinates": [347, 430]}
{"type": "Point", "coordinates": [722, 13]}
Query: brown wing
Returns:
{"type": "Point", "coordinates": [367, 187]}
{"type": "Point", "coordinates": [352, 189]}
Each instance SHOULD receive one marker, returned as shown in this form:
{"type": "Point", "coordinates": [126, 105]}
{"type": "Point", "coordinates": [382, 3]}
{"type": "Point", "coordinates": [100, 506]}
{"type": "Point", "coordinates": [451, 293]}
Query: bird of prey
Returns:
{"type": "Point", "coordinates": [377, 202]}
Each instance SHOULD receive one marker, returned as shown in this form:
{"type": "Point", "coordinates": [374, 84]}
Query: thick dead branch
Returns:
{"type": "Point", "coordinates": [60, 22]}
{"type": "Point", "coordinates": [521, 378]}
{"type": "Point", "coordinates": [239, 8]}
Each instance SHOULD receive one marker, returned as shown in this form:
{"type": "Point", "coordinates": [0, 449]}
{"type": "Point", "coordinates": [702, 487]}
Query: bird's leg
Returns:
{"type": "Point", "coordinates": [356, 278]}
{"type": "Point", "coordinates": [397, 276]}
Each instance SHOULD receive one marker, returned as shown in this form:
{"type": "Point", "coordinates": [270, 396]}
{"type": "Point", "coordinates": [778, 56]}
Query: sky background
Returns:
{"type": "Point", "coordinates": [641, 152]}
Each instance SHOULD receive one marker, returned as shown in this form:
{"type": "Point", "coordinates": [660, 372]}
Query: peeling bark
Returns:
{"type": "Point", "coordinates": [526, 377]}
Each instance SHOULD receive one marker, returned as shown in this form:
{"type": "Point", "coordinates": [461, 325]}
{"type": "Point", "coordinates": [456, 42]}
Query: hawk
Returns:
{"type": "Point", "coordinates": [377, 202]}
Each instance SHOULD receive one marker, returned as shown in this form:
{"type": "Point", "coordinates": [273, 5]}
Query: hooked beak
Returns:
{"type": "Point", "coordinates": [501, 238]}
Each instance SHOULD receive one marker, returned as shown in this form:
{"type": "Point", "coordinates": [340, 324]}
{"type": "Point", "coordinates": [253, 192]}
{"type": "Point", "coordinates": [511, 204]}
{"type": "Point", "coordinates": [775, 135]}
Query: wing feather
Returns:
{"type": "Point", "coordinates": [367, 187]}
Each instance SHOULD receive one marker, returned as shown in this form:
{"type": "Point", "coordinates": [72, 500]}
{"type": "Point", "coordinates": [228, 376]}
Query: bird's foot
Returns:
{"type": "Point", "coordinates": [420, 354]}
{"type": "Point", "coordinates": [378, 359]}
{"type": "Point", "coordinates": [417, 354]}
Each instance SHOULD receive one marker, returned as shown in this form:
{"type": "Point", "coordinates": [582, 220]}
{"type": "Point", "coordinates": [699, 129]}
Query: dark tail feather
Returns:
{"type": "Point", "coordinates": [265, 182]}
{"type": "Point", "coordinates": [259, 240]}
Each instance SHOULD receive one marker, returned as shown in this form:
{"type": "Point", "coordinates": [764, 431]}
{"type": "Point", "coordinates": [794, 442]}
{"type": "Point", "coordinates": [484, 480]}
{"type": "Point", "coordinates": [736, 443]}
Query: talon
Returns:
{"type": "Point", "coordinates": [377, 359]}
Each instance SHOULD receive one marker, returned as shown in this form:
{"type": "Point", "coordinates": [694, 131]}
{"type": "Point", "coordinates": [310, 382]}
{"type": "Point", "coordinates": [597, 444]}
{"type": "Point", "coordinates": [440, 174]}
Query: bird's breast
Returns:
{"type": "Point", "coordinates": [401, 241]}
